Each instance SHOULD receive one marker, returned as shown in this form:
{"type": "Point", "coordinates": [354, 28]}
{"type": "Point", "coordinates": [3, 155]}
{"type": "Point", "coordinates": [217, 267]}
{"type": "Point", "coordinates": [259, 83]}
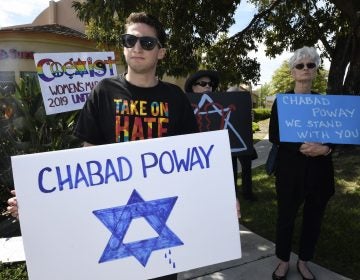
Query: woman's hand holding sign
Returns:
{"type": "Point", "coordinates": [311, 149]}
{"type": "Point", "coordinates": [13, 206]}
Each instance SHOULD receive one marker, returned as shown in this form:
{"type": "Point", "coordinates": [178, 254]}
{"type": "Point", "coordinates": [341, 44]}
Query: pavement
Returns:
{"type": "Point", "coordinates": [258, 259]}
{"type": "Point", "coordinates": [258, 254]}
{"type": "Point", "coordinates": [257, 263]}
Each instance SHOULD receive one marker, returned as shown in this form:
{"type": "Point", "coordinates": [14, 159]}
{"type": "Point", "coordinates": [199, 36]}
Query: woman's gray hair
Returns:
{"type": "Point", "coordinates": [304, 52]}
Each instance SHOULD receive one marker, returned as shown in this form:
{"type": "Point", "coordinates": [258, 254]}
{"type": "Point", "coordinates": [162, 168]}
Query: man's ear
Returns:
{"type": "Point", "coordinates": [161, 53]}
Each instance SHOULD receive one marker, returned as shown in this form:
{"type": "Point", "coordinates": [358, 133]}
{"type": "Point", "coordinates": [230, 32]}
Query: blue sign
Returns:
{"type": "Point", "coordinates": [319, 118]}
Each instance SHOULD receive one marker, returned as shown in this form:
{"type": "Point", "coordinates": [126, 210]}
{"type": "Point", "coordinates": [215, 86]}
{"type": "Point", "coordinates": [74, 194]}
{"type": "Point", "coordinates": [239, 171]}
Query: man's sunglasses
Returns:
{"type": "Point", "coordinates": [146, 42]}
{"type": "Point", "coordinates": [204, 84]}
{"type": "Point", "coordinates": [309, 65]}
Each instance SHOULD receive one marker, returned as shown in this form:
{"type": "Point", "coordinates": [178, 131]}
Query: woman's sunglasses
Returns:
{"type": "Point", "coordinates": [309, 65]}
{"type": "Point", "coordinates": [204, 84]}
{"type": "Point", "coordinates": [146, 42]}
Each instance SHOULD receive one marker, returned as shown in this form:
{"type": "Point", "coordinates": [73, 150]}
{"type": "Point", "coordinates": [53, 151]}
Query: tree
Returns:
{"type": "Point", "coordinates": [264, 91]}
{"type": "Point", "coordinates": [332, 25]}
{"type": "Point", "coordinates": [193, 27]}
{"type": "Point", "coordinates": [234, 67]}
{"type": "Point", "coordinates": [282, 80]}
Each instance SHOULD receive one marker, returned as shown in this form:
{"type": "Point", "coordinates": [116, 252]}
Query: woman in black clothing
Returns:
{"type": "Point", "coordinates": [304, 175]}
{"type": "Point", "coordinates": [207, 81]}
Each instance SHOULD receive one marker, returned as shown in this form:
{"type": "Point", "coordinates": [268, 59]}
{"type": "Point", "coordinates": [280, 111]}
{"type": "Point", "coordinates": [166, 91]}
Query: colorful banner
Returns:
{"type": "Point", "coordinates": [129, 211]}
{"type": "Point", "coordinates": [319, 118]}
{"type": "Point", "coordinates": [66, 79]}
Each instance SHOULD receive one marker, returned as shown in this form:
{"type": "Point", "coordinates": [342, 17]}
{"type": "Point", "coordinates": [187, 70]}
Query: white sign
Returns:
{"type": "Point", "coordinates": [66, 79]}
{"type": "Point", "coordinates": [11, 249]}
{"type": "Point", "coordinates": [128, 211]}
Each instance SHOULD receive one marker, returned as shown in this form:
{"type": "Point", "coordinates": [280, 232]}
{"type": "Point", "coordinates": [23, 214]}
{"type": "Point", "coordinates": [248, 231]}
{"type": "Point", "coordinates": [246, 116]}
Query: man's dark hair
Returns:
{"type": "Point", "coordinates": [150, 20]}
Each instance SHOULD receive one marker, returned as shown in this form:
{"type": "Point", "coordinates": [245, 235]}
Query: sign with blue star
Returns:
{"type": "Point", "coordinates": [118, 219]}
{"type": "Point", "coordinates": [130, 211]}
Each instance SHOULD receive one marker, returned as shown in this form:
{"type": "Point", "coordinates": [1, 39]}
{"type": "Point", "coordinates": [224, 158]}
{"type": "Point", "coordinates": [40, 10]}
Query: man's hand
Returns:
{"type": "Point", "coordinates": [13, 206]}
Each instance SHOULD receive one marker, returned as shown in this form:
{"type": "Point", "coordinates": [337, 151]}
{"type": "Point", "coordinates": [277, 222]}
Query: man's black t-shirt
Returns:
{"type": "Point", "coordinates": [117, 111]}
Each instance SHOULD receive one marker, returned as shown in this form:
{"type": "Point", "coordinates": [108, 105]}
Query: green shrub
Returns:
{"type": "Point", "coordinates": [16, 271]}
{"type": "Point", "coordinates": [25, 128]}
{"type": "Point", "coordinates": [261, 114]}
{"type": "Point", "coordinates": [255, 127]}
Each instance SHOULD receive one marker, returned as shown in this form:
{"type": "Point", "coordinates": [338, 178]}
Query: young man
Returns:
{"type": "Point", "coordinates": [135, 105]}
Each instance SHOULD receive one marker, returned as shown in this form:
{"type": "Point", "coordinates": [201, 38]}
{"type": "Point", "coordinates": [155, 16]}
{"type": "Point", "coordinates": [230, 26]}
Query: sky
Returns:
{"type": "Point", "coordinates": [268, 66]}
{"type": "Point", "coordinates": [15, 12]}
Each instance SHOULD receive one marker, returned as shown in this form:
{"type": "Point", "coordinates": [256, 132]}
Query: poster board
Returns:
{"type": "Point", "coordinates": [226, 110]}
{"type": "Point", "coordinates": [319, 118]}
{"type": "Point", "coordinates": [66, 79]}
{"type": "Point", "coordinates": [134, 210]}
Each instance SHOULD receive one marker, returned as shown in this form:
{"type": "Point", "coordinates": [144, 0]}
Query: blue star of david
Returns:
{"type": "Point", "coordinates": [118, 219]}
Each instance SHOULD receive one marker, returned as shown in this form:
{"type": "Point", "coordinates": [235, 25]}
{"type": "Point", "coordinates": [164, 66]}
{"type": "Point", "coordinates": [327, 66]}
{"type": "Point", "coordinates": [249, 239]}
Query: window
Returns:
{"type": "Point", "coordinates": [29, 74]}
{"type": "Point", "coordinates": [7, 82]}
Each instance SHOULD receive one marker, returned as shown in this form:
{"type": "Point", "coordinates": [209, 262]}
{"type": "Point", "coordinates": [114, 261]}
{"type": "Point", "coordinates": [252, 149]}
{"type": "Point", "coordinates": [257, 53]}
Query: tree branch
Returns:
{"type": "Point", "coordinates": [321, 34]}
{"type": "Point", "coordinates": [348, 8]}
{"type": "Point", "coordinates": [256, 17]}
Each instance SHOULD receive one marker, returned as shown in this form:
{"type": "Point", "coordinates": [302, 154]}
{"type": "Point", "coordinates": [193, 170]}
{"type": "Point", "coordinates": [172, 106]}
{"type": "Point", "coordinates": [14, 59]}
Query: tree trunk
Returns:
{"type": "Point", "coordinates": [352, 81]}
{"type": "Point", "coordinates": [348, 54]}
{"type": "Point", "coordinates": [339, 62]}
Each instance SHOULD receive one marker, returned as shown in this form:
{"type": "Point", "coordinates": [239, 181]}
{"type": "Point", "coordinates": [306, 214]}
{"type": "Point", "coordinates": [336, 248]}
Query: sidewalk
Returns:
{"type": "Point", "coordinates": [257, 263]}
{"type": "Point", "coordinates": [258, 254]}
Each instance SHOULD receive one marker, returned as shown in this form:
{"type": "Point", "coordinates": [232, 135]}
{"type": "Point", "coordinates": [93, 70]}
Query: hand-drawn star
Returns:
{"type": "Point", "coordinates": [118, 219]}
{"type": "Point", "coordinates": [206, 106]}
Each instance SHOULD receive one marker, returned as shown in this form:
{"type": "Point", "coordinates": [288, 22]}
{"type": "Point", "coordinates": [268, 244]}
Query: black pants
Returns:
{"type": "Point", "coordinates": [166, 277]}
{"type": "Point", "coordinates": [289, 202]}
{"type": "Point", "coordinates": [246, 176]}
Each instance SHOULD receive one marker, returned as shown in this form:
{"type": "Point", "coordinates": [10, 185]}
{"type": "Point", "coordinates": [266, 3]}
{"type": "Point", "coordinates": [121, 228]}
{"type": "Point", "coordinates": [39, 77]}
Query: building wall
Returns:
{"type": "Point", "coordinates": [16, 49]}
{"type": "Point", "coordinates": [23, 43]}
{"type": "Point", "coordinates": [61, 13]}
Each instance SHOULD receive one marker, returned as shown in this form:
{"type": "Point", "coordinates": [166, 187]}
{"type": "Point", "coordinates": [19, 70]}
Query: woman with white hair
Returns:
{"type": "Point", "coordinates": [304, 176]}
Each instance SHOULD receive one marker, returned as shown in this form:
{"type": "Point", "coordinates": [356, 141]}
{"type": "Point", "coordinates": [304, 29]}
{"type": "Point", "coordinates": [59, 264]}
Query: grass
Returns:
{"type": "Point", "coordinates": [13, 271]}
{"type": "Point", "coordinates": [338, 247]}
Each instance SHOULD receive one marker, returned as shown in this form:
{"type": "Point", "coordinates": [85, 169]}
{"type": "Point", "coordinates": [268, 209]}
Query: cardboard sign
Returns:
{"type": "Point", "coordinates": [226, 110]}
{"type": "Point", "coordinates": [134, 210]}
{"type": "Point", "coordinates": [319, 118]}
{"type": "Point", "coordinates": [66, 79]}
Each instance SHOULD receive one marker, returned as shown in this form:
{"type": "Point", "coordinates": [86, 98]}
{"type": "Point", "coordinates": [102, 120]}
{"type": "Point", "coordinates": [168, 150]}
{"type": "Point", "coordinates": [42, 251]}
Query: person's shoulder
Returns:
{"type": "Point", "coordinates": [172, 86]}
{"type": "Point", "coordinates": [105, 85]}
{"type": "Point", "coordinates": [110, 82]}
{"type": "Point", "coordinates": [114, 79]}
